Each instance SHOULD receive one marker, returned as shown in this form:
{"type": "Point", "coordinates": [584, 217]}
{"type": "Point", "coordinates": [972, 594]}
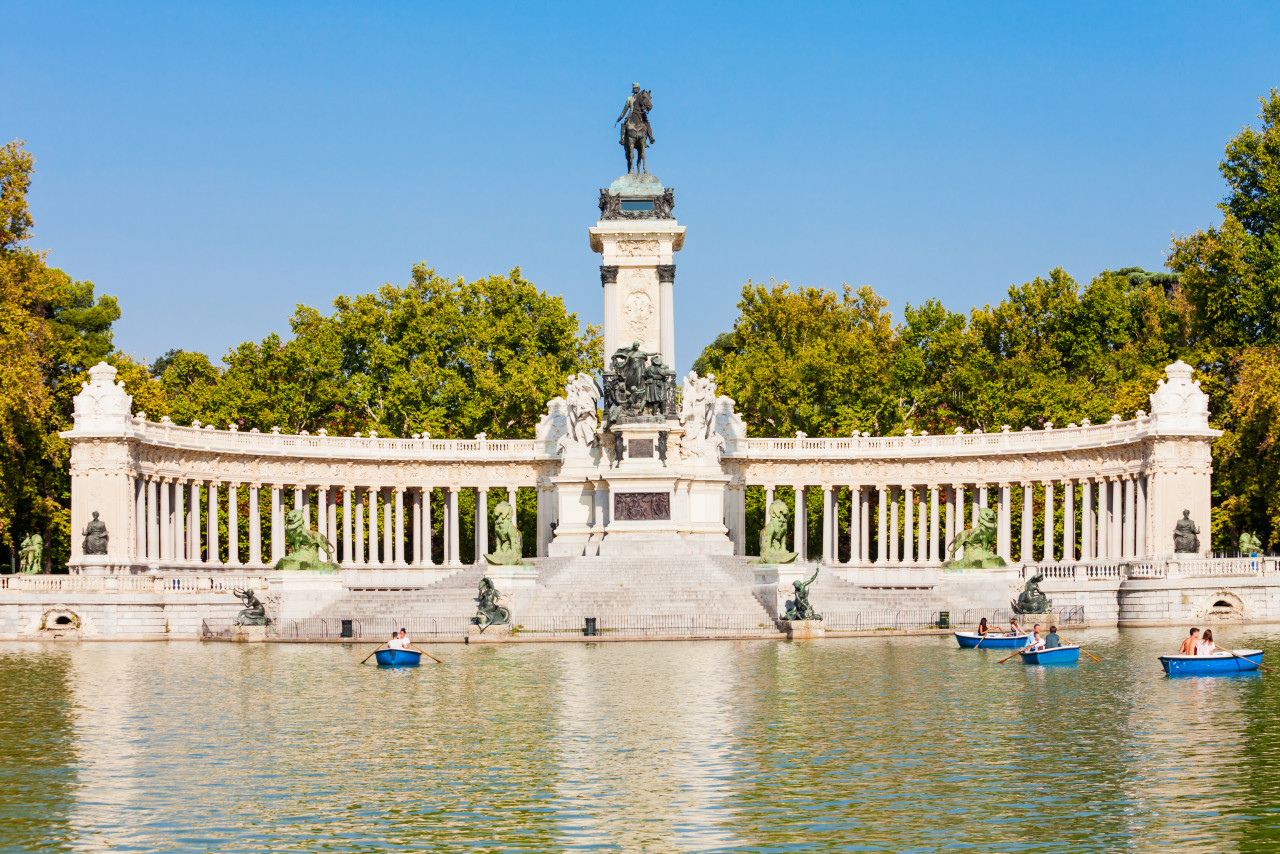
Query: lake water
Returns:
{"type": "Point", "coordinates": [903, 744]}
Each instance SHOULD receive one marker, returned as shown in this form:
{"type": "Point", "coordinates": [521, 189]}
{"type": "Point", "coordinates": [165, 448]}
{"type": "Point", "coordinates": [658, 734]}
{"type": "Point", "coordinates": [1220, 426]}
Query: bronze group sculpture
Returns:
{"type": "Point", "coordinates": [638, 385]}
{"type": "Point", "coordinates": [508, 547]}
{"type": "Point", "coordinates": [773, 539]}
{"type": "Point", "coordinates": [31, 554]}
{"type": "Point", "coordinates": [254, 612]}
{"type": "Point", "coordinates": [1186, 536]}
{"type": "Point", "coordinates": [304, 547]}
{"type": "Point", "coordinates": [488, 611]}
{"type": "Point", "coordinates": [95, 536]}
{"type": "Point", "coordinates": [636, 129]}
{"type": "Point", "coordinates": [1031, 600]}
{"type": "Point", "coordinates": [799, 607]}
{"type": "Point", "coordinates": [974, 548]}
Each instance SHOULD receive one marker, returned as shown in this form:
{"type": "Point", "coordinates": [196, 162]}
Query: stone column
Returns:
{"type": "Point", "coordinates": [513, 493]}
{"type": "Point", "coordinates": [300, 503]}
{"type": "Point", "coordinates": [666, 312]}
{"type": "Point", "coordinates": [949, 532]}
{"type": "Point", "coordinates": [399, 537]}
{"type": "Point", "coordinates": [828, 540]}
{"type": "Point", "coordinates": [179, 521]}
{"type": "Point", "coordinates": [546, 497]}
{"type": "Point", "coordinates": [414, 555]}
{"type": "Point", "coordinates": [1027, 520]}
{"type": "Point", "coordinates": [893, 524]}
{"type": "Point", "coordinates": [1048, 521]}
{"type": "Point", "coordinates": [322, 510]}
{"type": "Point", "coordinates": [358, 538]}
{"type": "Point", "coordinates": [738, 500]}
{"type": "Point", "coordinates": [453, 558]}
{"type": "Point", "coordinates": [1088, 520]}
{"type": "Point", "coordinates": [922, 547]}
{"type": "Point", "coordinates": [1004, 526]}
{"type": "Point", "coordinates": [908, 523]}
{"type": "Point", "coordinates": [1140, 546]}
{"type": "Point", "coordinates": [166, 520]}
{"type": "Point", "coordinates": [388, 528]}
{"type": "Point", "coordinates": [768, 502]}
{"type": "Point", "coordinates": [277, 523]}
{"type": "Point", "coordinates": [427, 533]}
{"type": "Point", "coordinates": [882, 524]}
{"type": "Point", "coordinates": [331, 506]}
{"type": "Point", "coordinates": [348, 557]}
{"type": "Point", "coordinates": [935, 549]}
{"type": "Point", "coordinates": [139, 517]}
{"type": "Point", "coordinates": [982, 497]}
{"type": "Point", "coordinates": [193, 523]}
{"type": "Point", "coordinates": [800, 528]}
{"type": "Point", "coordinates": [375, 493]}
{"type": "Point", "coordinates": [255, 525]}
{"type": "Point", "coordinates": [1068, 520]}
{"type": "Point", "coordinates": [233, 526]}
{"type": "Point", "coordinates": [211, 535]}
{"type": "Point", "coordinates": [482, 523]}
{"type": "Point", "coordinates": [153, 520]}
{"type": "Point", "coordinates": [1131, 516]}
{"type": "Point", "coordinates": [1103, 539]}
{"type": "Point", "coordinates": [1115, 522]}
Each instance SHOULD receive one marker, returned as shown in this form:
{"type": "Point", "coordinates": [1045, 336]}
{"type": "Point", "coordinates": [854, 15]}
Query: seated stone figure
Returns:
{"type": "Point", "coordinates": [254, 612]}
{"type": "Point", "coordinates": [1031, 600]}
{"type": "Point", "coordinates": [1186, 535]}
{"type": "Point", "coordinates": [506, 537]}
{"type": "Point", "coordinates": [974, 548]}
{"type": "Point", "coordinates": [799, 607]}
{"type": "Point", "coordinates": [773, 539]}
{"type": "Point", "coordinates": [303, 546]}
{"type": "Point", "coordinates": [488, 611]}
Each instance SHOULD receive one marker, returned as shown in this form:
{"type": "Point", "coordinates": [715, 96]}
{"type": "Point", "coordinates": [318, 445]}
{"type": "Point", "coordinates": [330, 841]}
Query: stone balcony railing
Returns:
{"type": "Point", "coordinates": [145, 583]}
{"type": "Point", "coordinates": [1167, 567]}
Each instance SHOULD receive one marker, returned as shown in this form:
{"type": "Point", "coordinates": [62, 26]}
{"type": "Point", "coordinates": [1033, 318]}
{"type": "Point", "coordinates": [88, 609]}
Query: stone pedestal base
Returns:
{"type": "Point", "coordinates": [491, 634]}
{"type": "Point", "coordinates": [798, 629]}
{"type": "Point", "coordinates": [104, 565]}
{"type": "Point", "coordinates": [248, 634]}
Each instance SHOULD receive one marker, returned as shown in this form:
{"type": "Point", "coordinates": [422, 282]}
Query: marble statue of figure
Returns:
{"type": "Point", "coordinates": [581, 392]}
{"type": "Point", "coordinates": [31, 553]}
{"type": "Point", "coordinates": [489, 612]}
{"type": "Point", "coordinates": [799, 607]}
{"type": "Point", "coordinates": [506, 536]}
{"type": "Point", "coordinates": [95, 536]}
{"type": "Point", "coordinates": [304, 547]}
{"type": "Point", "coordinates": [773, 539]}
{"type": "Point", "coordinates": [1186, 537]}
{"type": "Point", "coordinates": [697, 406]}
{"type": "Point", "coordinates": [1249, 544]}
{"type": "Point", "coordinates": [254, 612]}
{"type": "Point", "coordinates": [636, 128]}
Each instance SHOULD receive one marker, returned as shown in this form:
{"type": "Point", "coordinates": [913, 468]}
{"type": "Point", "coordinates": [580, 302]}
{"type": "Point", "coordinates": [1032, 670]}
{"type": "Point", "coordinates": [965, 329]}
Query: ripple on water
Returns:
{"type": "Point", "coordinates": [842, 745]}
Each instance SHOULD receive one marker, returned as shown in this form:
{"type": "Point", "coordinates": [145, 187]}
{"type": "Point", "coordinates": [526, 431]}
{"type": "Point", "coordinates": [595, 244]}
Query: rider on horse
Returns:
{"type": "Point", "coordinates": [627, 109]}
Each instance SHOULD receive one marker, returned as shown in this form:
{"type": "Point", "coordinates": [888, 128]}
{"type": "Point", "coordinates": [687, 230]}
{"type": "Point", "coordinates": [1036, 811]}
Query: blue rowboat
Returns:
{"type": "Point", "coordinates": [969, 640]}
{"type": "Point", "coordinates": [1211, 665]}
{"type": "Point", "coordinates": [398, 657]}
{"type": "Point", "coordinates": [1065, 654]}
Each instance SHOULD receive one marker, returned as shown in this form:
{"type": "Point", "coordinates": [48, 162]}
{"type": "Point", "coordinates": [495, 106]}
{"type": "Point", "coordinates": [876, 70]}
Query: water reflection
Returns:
{"type": "Point", "coordinates": [839, 745]}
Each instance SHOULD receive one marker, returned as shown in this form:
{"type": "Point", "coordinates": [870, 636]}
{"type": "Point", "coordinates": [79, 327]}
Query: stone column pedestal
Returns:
{"type": "Point", "coordinates": [802, 629]}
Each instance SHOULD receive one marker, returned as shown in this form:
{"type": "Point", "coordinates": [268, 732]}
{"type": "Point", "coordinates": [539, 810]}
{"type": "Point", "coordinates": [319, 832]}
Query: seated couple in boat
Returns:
{"type": "Point", "coordinates": [400, 640]}
{"type": "Point", "coordinates": [1049, 641]}
{"type": "Point", "coordinates": [1195, 645]}
{"type": "Point", "coordinates": [1014, 631]}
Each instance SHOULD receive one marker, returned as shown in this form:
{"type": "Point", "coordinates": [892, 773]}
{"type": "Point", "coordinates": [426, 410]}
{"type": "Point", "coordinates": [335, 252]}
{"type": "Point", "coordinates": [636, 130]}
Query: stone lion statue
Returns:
{"type": "Point", "coordinates": [974, 548]}
{"type": "Point", "coordinates": [506, 537]}
{"type": "Point", "coordinates": [304, 547]}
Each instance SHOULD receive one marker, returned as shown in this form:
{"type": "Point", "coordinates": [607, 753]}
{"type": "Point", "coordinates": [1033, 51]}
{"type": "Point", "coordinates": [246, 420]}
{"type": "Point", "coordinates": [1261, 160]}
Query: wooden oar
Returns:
{"type": "Point", "coordinates": [1015, 652]}
{"type": "Point", "coordinates": [427, 654]}
{"type": "Point", "coordinates": [1091, 655]}
{"type": "Point", "coordinates": [1238, 655]}
{"type": "Point", "coordinates": [375, 652]}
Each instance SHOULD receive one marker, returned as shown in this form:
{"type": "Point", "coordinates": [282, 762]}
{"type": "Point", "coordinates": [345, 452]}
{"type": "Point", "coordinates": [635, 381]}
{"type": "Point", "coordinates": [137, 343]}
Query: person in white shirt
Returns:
{"type": "Point", "coordinates": [395, 643]}
{"type": "Point", "coordinates": [1035, 641]}
{"type": "Point", "coordinates": [405, 643]}
{"type": "Point", "coordinates": [1207, 646]}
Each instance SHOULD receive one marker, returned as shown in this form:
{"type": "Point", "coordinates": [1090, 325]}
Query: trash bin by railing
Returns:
{"type": "Point", "coordinates": [346, 629]}
{"type": "Point", "coordinates": [589, 626]}
{"type": "Point", "coordinates": [944, 619]}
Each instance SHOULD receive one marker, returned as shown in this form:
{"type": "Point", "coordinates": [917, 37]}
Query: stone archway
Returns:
{"type": "Point", "coordinates": [60, 620]}
{"type": "Point", "coordinates": [1223, 606]}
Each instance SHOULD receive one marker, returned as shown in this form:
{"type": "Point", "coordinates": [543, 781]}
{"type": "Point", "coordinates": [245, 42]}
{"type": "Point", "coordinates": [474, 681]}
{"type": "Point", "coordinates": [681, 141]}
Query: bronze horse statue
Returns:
{"type": "Point", "coordinates": [636, 132]}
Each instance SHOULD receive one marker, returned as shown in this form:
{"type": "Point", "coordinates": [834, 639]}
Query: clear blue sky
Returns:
{"type": "Point", "coordinates": [213, 164]}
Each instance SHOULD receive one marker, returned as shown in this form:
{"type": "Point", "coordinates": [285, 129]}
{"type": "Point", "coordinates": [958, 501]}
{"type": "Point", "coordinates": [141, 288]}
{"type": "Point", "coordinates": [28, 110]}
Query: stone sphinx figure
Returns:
{"type": "Point", "coordinates": [1186, 539]}
{"type": "Point", "coordinates": [95, 536]}
{"type": "Point", "coordinates": [799, 607]}
{"type": "Point", "coordinates": [1249, 544]}
{"type": "Point", "coordinates": [974, 548]}
{"type": "Point", "coordinates": [773, 539]}
{"type": "Point", "coordinates": [254, 612]}
{"type": "Point", "coordinates": [488, 611]}
{"type": "Point", "coordinates": [506, 537]}
{"type": "Point", "coordinates": [1031, 600]}
{"type": "Point", "coordinates": [303, 546]}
